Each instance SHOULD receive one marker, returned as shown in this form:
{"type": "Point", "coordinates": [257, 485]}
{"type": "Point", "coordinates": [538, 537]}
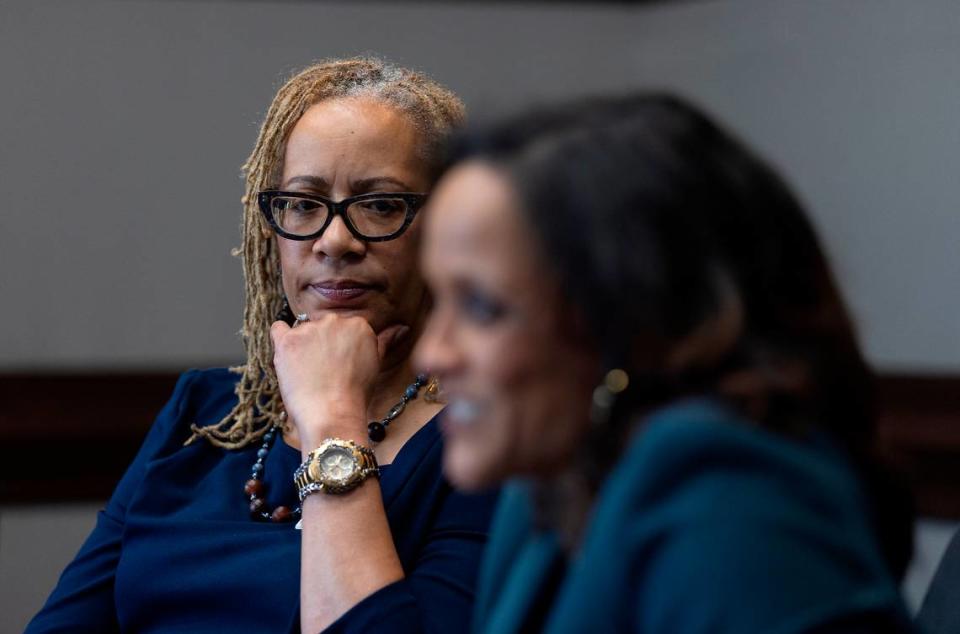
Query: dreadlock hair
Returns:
{"type": "Point", "coordinates": [433, 109]}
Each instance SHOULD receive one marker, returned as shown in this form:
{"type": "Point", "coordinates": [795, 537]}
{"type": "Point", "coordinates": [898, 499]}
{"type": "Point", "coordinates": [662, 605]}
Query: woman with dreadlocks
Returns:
{"type": "Point", "coordinates": [263, 498]}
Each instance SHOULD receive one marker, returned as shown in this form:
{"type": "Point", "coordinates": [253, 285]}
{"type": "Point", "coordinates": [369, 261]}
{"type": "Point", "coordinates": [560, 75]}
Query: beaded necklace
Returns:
{"type": "Point", "coordinates": [254, 488]}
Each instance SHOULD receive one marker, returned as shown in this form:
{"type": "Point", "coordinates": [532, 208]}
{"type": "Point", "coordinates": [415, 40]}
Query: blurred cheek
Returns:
{"type": "Point", "coordinates": [481, 454]}
{"type": "Point", "coordinates": [550, 420]}
{"type": "Point", "coordinates": [536, 416]}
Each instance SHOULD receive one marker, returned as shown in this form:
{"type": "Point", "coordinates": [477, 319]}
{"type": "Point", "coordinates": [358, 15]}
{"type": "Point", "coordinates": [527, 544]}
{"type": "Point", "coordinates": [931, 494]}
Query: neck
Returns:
{"type": "Point", "coordinates": [396, 372]}
{"type": "Point", "coordinates": [388, 389]}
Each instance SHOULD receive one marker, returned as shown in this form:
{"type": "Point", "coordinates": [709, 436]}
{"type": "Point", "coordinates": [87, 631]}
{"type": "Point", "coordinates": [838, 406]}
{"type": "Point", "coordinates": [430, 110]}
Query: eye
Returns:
{"type": "Point", "coordinates": [303, 206]}
{"type": "Point", "coordinates": [480, 308]}
{"type": "Point", "coordinates": [384, 206]}
{"type": "Point", "coordinates": [299, 206]}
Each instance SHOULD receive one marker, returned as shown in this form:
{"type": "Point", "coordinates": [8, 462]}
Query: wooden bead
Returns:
{"type": "Point", "coordinates": [253, 487]}
{"type": "Point", "coordinates": [281, 514]}
{"type": "Point", "coordinates": [256, 506]}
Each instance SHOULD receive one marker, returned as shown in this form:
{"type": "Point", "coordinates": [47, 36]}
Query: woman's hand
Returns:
{"type": "Point", "coordinates": [327, 370]}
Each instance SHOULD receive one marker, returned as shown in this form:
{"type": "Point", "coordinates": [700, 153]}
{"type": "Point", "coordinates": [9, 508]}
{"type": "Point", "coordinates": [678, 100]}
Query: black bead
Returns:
{"type": "Point", "coordinates": [376, 431]}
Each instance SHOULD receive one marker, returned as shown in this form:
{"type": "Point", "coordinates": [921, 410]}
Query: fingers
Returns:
{"type": "Point", "coordinates": [340, 327]}
{"type": "Point", "coordinates": [277, 330]}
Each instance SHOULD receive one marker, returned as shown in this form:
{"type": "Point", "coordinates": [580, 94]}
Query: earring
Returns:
{"type": "Point", "coordinates": [605, 395]}
{"type": "Point", "coordinates": [433, 393]}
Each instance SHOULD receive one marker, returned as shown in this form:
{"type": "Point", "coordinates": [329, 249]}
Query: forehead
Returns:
{"type": "Point", "coordinates": [475, 227]}
{"type": "Point", "coordinates": [353, 133]}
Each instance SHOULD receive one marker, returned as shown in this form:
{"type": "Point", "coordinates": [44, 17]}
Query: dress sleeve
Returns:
{"type": "Point", "coordinates": [83, 599]}
{"type": "Point", "coordinates": [437, 594]}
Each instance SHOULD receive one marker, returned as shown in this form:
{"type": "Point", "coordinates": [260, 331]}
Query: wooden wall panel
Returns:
{"type": "Point", "coordinates": [69, 437]}
{"type": "Point", "coordinates": [919, 429]}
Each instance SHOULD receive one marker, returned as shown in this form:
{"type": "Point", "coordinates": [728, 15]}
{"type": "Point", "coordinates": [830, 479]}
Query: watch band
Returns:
{"type": "Point", "coordinates": [307, 489]}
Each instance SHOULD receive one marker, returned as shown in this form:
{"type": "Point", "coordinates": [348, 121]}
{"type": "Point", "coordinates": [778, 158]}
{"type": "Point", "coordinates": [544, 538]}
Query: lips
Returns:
{"type": "Point", "coordinates": [345, 293]}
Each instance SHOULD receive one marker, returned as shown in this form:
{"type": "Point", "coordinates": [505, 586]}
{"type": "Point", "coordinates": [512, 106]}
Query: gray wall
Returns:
{"type": "Point", "coordinates": [124, 125]}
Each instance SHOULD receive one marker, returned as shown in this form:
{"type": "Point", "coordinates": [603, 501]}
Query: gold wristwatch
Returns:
{"type": "Point", "coordinates": [336, 466]}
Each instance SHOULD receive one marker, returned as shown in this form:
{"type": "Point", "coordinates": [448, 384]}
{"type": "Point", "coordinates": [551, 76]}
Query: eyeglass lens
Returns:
{"type": "Point", "coordinates": [371, 217]}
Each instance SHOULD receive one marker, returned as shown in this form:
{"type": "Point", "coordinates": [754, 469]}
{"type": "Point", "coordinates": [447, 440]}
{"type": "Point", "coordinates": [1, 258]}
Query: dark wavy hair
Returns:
{"type": "Point", "coordinates": [663, 228]}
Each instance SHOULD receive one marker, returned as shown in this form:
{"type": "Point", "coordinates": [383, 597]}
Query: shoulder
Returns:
{"type": "Point", "coordinates": [197, 397]}
{"type": "Point", "coordinates": [198, 385]}
{"type": "Point", "coordinates": [204, 393]}
{"type": "Point", "coordinates": [699, 449]}
{"type": "Point", "coordinates": [697, 464]}
{"type": "Point", "coordinates": [709, 505]}
{"type": "Point", "coordinates": [200, 396]}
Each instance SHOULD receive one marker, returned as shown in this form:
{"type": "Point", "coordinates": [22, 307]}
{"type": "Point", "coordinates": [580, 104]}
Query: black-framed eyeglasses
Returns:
{"type": "Point", "coordinates": [373, 217]}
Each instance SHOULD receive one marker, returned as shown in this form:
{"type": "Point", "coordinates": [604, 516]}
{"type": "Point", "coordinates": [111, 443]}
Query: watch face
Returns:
{"type": "Point", "coordinates": [338, 464]}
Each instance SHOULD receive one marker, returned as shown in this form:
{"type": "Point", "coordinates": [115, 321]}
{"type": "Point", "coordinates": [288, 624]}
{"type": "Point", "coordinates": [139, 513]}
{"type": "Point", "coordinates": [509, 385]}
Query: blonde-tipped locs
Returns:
{"type": "Point", "coordinates": [432, 108]}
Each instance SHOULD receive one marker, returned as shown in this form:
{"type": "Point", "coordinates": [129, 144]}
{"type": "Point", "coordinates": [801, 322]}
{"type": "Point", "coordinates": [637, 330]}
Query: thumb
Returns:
{"type": "Point", "coordinates": [389, 336]}
{"type": "Point", "coordinates": [277, 330]}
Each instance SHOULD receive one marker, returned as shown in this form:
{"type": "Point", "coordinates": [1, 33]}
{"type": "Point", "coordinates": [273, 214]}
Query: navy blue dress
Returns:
{"type": "Point", "coordinates": [176, 551]}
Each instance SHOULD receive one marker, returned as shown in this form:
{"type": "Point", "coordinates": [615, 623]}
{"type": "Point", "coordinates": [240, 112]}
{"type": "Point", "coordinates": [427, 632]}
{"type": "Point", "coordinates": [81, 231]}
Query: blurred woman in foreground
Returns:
{"type": "Point", "coordinates": [633, 318]}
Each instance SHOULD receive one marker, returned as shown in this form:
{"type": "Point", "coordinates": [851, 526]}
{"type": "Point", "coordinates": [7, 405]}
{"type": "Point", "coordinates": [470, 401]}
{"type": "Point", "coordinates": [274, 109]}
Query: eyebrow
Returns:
{"type": "Point", "coordinates": [314, 182]}
{"type": "Point", "coordinates": [362, 185]}
{"type": "Point", "coordinates": [368, 184]}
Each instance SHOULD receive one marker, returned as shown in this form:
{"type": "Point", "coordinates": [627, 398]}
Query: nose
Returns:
{"type": "Point", "coordinates": [337, 242]}
{"type": "Point", "coordinates": [437, 351]}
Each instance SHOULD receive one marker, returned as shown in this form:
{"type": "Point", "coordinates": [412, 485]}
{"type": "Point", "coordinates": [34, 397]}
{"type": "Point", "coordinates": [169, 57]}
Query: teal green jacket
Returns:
{"type": "Point", "coordinates": [707, 524]}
